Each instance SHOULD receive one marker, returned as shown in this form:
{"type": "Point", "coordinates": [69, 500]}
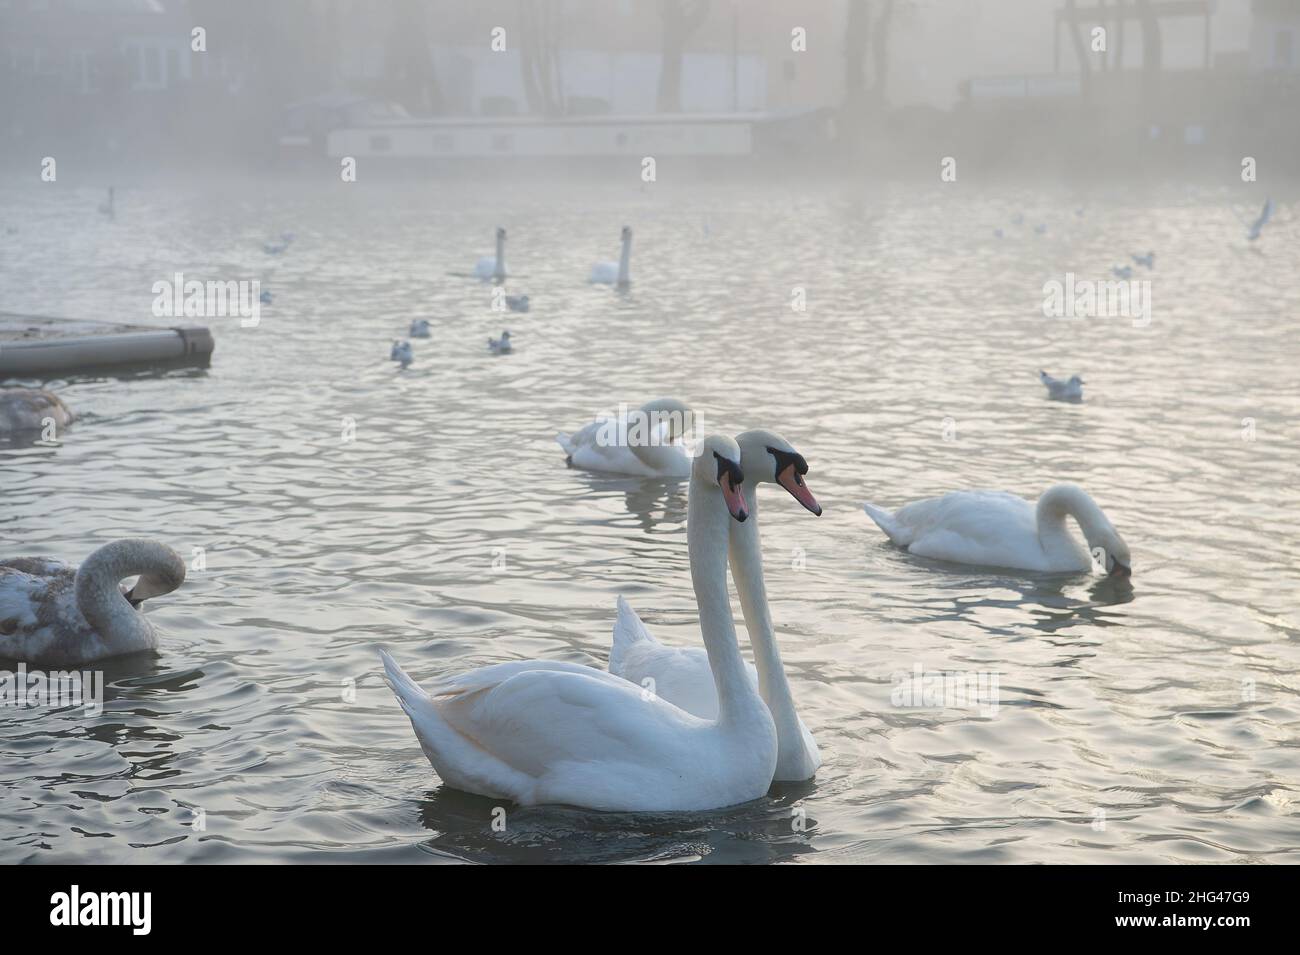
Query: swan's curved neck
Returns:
{"type": "Point", "coordinates": [623, 258]}
{"type": "Point", "coordinates": [746, 552]}
{"type": "Point", "coordinates": [706, 542]}
{"type": "Point", "coordinates": [653, 444]}
{"type": "Point", "coordinates": [1060, 502]}
{"type": "Point", "coordinates": [101, 602]}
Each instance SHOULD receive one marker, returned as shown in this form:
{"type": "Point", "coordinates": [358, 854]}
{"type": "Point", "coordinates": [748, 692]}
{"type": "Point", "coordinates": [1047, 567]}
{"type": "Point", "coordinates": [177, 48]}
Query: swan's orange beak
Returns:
{"type": "Point", "coordinates": [734, 497]}
{"type": "Point", "coordinates": [792, 481]}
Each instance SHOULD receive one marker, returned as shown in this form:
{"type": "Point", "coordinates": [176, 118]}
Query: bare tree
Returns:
{"type": "Point", "coordinates": [409, 77]}
{"type": "Point", "coordinates": [857, 33]}
{"type": "Point", "coordinates": [539, 58]}
{"type": "Point", "coordinates": [1080, 49]}
{"type": "Point", "coordinates": [861, 34]}
{"type": "Point", "coordinates": [1151, 51]}
{"type": "Point", "coordinates": [681, 18]}
{"type": "Point", "coordinates": [880, 52]}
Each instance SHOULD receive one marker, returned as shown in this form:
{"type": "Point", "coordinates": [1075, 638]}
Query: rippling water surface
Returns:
{"type": "Point", "coordinates": [1151, 724]}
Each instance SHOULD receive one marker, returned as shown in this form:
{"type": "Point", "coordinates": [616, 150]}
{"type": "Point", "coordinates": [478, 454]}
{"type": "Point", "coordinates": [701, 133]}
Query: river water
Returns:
{"type": "Point", "coordinates": [337, 503]}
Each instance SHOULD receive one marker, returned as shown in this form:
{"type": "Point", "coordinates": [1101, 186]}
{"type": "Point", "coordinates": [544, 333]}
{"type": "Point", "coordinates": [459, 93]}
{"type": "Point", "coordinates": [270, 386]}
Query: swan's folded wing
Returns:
{"type": "Point", "coordinates": [629, 634]}
{"type": "Point", "coordinates": [21, 595]}
{"type": "Point", "coordinates": [976, 516]}
{"type": "Point", "coordinates": [538, 720]}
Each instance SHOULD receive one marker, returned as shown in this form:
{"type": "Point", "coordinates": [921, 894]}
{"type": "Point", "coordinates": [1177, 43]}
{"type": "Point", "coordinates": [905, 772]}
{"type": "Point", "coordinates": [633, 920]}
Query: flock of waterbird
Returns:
{"type": "Point", "coordinates": [667, 728]}
{"type": "Point", "coordinates": [1254, 229]}
{"type": "Point", "coordinates": [663, 728]}
{"type": "Point", "coordinates": [492, 268]}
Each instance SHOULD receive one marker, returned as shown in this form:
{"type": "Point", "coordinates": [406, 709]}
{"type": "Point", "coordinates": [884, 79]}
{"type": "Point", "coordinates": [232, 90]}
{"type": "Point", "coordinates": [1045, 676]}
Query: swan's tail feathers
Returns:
{"type": "Point", "coordinates": [413, 699]}
{"type": "Point", "coordinates": [460, 762]}
{"type": "Point", "coordinates": [566, 442]}
{"type": "Point", "coordinates": [885, 521]}
{"type": "Point", "coordinates": [628, 632]}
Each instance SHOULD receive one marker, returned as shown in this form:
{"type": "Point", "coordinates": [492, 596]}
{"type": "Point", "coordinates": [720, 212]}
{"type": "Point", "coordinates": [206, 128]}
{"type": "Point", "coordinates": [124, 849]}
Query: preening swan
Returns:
{"type": "Point", "coordinates": [615, 273]}
{"type": "Point", "coordinates": [1059, 390]}
{"type": "Point", "coordinates": [644, 442]}
{"type": "Point", "coordinates": [53, 614]}
{"type": "Point", "coordinates": [551, 732]}
{"type": "Point", "coordinates": [682, 675]}
{"type": "Point", "coordinates": [30, 409]}
{"type": "Point", "coordinates": [997, 529]}
{"type": "Point", "coordinates": [493, 266]}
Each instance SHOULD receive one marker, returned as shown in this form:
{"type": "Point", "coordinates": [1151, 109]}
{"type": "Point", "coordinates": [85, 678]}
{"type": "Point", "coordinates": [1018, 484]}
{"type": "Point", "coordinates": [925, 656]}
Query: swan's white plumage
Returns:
{"type": "Point", "coordinates": [586, 449]}
{"type": "Point", "coordinates": [604, 273]}
{"type": "Point", "coordinates": [52, 613]}
{"type": "Point", "coordinates": [493, 266]}
{"type": "Point", "coordinates": [614, 273]}
{"type": "Point", "coordinates": [538, 732]}
{"type": "Point", "coordinates": [585, 452]}
{"type": "Point", "coordinates": [680, 675]}
{"type": "Point", "coordinates": [996, 529]}
{"type": "Point", "coordinates": [541, 732]}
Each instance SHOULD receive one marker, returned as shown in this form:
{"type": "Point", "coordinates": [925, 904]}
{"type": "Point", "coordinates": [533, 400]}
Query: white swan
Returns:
{"type": "Point", "coordinates": [645, 441]}
{"type": "Point", "coordinates": [615, 273]}
{"type": "Point", "coordinates": [402, 353]}
{"type": "Point", "coordinates": [493, 266]}
{"type": "Point", "coordinates": [500, 346]}
{"type": "Point", "coordinates": [517, 303]}
{"type": "Point", "coordinates": [1058, 390]}
{"type": "Point", "coordinates": [53, 614]}
{"type": "Point", "coordinates": [682, 675]}
{"type": "Point", "coordinates": [419, 328]}
{"type": "Point", "coordinates": [1124, 272]}
{"type": "Point", "coordinates": [997, 529]}
{"type": "Point", "coordinates": [550, 732]}
{"type": "Point", "coordinates": [1148, 260]}
{"type": "Point", "coordinates": [28, 409]}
